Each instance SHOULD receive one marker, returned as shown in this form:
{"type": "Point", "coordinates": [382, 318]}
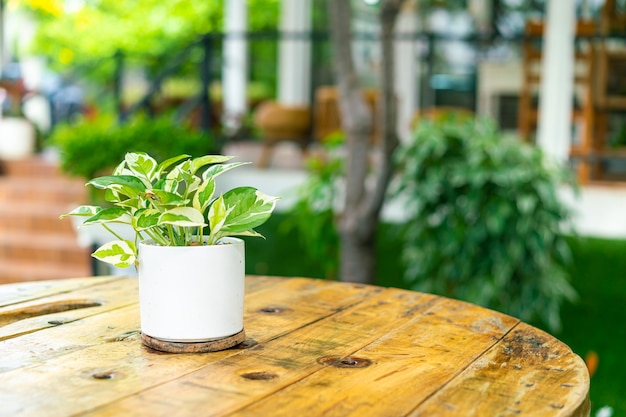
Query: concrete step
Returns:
{"type": "Point", "coordinates": [34, 243]}
{"type": "Point", "coordinates": [34, 189]}
{"type": "Point", "coordinates": [32, 219]}
{"type": "Point", "coordinates": [43, 249]}
{"type": "Point", "coordinates": [35, 166]}
{"type": "Point", "coordinates": [12, 271]}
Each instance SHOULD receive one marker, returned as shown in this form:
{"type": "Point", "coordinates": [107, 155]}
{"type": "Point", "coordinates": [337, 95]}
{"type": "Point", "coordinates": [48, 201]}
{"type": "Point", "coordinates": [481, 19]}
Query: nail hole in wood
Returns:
{"type": "Point", "coordinates": [104, 375]}
{"type": "Point", "coordinates": [346, 362]}
{"type": "Point", "coordinates": [259, 375]}
{"type": "Point", "coordinates": [273, 310]}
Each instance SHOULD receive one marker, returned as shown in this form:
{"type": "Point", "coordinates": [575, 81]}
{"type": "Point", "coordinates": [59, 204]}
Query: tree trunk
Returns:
{"type": "Point", "coordinates": [359, 221]}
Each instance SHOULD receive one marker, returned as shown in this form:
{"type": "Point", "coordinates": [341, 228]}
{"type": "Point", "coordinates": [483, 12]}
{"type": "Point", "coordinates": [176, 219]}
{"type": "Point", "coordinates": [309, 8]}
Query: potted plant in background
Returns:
{"type": "Point", "coordinates": [190, 264]}
{"type": "Point", "coordinates": [18, 136]}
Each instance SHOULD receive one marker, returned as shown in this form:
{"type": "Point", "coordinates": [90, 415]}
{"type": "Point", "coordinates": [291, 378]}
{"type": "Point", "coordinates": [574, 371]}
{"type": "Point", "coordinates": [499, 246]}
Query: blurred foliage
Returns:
{"type": "Point", "coordinates": [312, 218]}
{"type": "Point", "coordinates": [90, 33]}
{"type": "Point", "coordinates": [485, 222]}
{"type": "Point", "coordinates": [92, 147]}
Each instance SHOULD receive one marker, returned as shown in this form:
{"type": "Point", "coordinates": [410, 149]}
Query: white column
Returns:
{"type": "Point", "coordinates": [557, 80]}
{"type": "Point", "coordinates": [2, 40]}
{"type": "Point", "coordinates": [235, 66]}
{"type": "Point", "coordinates": [407, 70]}
{"type": "Point", "coordinates": [294, 67]}
{"type": "Point", "coordinates": [481, 11]}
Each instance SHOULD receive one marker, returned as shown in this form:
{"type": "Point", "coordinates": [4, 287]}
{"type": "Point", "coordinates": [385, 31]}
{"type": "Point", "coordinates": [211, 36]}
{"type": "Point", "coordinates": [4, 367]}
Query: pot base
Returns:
{"type": "Point", "coordinates": [193, 347]}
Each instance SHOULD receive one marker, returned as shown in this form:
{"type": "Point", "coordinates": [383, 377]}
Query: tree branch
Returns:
{"type": "Point", "coordinates": [389, 10]}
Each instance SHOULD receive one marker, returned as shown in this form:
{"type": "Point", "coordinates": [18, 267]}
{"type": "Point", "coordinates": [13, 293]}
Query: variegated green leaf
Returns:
{"type": "Point", "coordinates": [165, 198]}
{"type": "Point", "coordinates": [131, 203]}
{"type": "Point", "coordinates": [174, 178]}
{"type": "Point", "coordinates": [215, 170]}
{"type": "Point", "coordinates": [146, 219]}
{"type": "Point", "coordinates": [205, 160]}
{"type": "Point", "coordinates": [183, 217]}
{"type": "Point", "coordinates": [247, 208]}
{"type": "Point", "coordinates": [193, 182]}
{"type": "Point", "coordinates": [121, 169]}
{"type": "Point", "coordinates": [82, 211]}
{"type": "Point", "coordinates": [127, 185]}
{"type": "Point", "coordinates": [217, 215]}
{"type": "Point", "coordinates": [142, 166]}
{"type": "Point", "coordinates": [203, 195]}
{"type": "Point", "coordinates": [110, 215]}
{"type": "Point", "coordinates": [252, 233]}
{"type": "Point", "coordinates": [121, 253]}
{"type": "Point", "coordinates": [163, 166]}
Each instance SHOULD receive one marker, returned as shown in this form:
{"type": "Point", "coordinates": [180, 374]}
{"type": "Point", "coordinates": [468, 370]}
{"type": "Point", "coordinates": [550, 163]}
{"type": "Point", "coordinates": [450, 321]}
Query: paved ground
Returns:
{"type": "Point", "coordinates": [600, 210]}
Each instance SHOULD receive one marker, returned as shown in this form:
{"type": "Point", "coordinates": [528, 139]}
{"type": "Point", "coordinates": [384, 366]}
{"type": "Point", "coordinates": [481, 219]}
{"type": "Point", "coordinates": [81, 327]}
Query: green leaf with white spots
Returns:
{"type": "Point", "coordinates": [204, 194]}
{"type": "Point", "coordinates": [202, 161]}
{"type": "Point", "coordinates": [127, 185]}
{"type": "Point", "coordinates": [182, 217]}
{"type": "Point", "coordinates": [215, 170]}
{"type": "Point", "coordinates": [84, 211]}
{"type": "Point", "coordinates": [110, 215]}
{"type": "Point", "coordinates": [121, 253]}
{"type": "Point", "coordinates": [146, 219]}
{"type": "Point", "coordinates": [163, 166]}
{"type": "Point", "coordinates": [142, 166]}
{"type": "Point", "coordinates": [246, 208]}
{"type": "Point", "coordinates": [165, 198]}
{"type": "Point", "coordinates": [217, 215]}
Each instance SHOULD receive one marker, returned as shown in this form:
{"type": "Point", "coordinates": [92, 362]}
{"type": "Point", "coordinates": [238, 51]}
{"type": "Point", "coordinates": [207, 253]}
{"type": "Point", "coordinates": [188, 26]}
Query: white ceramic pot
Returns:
{"type": "Point", "coordinates": [17, 138]}
{"type": "Point", "coordinates": [192, 293]}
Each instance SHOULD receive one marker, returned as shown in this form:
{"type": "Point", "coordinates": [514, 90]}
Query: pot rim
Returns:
{"type": "Point", "coordinates": [226, 242]}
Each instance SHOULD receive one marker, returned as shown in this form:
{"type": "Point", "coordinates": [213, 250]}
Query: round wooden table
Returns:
{"type": "Point", "coordinates": [313, 348]}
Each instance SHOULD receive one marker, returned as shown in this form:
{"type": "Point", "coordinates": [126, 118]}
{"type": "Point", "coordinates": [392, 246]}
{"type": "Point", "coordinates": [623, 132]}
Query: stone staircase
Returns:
{"type": "Point", "coordinates": [34, 243]}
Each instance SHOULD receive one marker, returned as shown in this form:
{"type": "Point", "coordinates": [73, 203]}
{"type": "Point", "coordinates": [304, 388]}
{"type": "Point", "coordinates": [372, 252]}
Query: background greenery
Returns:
{"type": "Point", "coordinates": [92, 146]}
{"type": "Point", "coordinates": [98, 29]}
{"type": "Point", "coordinates": [483, 218]}
{"type": "Point", "coordinates": [593, 323]}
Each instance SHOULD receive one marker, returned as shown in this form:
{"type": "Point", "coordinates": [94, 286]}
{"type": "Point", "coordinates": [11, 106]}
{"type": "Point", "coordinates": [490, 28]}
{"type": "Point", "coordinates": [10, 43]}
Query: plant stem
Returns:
{"type": "Point", "coordinates": [173, 240]}
{"type": "Point", "coordinates": [112, 232]}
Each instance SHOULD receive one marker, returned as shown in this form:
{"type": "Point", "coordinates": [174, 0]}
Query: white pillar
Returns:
{"type": "Point", "coordinates": [557, 80]}
{"type": "Point", "coordinates": [481, 11]}
{"type": "Point", "coordinates": [294, 67]}
{"type": "Point", "coordinates": [407, 74]}
{"type": "Point", "coordinates": [235, 66]}
{"type": "Point", "coordinates": [2, 41]}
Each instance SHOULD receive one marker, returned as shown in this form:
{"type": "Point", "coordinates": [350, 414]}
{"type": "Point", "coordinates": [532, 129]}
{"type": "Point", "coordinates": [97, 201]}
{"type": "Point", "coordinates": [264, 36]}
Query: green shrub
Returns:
{"type": "Point", "coordinates": [312, 218]}
{"type": "Point", "coordinates": [485, 221]}
{"type": "Point", "coordinates": [93, 147]}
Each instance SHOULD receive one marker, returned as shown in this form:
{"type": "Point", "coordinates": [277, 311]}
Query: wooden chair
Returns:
{"type": "Point", "coordinates": [278, 122]}
{"type": "Point", "coordinates": [327, 118]}
{"type": "Point", "coordinates": [584, 112]}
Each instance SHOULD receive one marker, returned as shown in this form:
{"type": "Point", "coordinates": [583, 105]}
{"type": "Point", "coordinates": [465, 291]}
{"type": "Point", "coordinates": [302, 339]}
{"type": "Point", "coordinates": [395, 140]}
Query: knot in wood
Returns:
{"type": "Point", "coordinates": [273, 310]}
{"type": "Point", "coordinates": [345, 362]}
{"type": "Point", "coordinates": [259, 375]}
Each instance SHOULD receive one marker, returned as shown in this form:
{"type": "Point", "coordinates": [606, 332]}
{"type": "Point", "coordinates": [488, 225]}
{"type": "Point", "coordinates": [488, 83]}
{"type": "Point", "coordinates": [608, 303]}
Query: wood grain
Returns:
{"type": "Point", "coordinates": [313, 348]}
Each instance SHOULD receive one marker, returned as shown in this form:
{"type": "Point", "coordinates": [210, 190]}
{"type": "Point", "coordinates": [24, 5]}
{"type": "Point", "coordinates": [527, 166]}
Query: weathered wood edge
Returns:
{"type": "Point", "coordinates": [20, 292]}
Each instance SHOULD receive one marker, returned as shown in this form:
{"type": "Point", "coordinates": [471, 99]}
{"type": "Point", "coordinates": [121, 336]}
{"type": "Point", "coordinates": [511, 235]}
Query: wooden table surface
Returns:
{"type": "Point", "coordinates": [313, 347]}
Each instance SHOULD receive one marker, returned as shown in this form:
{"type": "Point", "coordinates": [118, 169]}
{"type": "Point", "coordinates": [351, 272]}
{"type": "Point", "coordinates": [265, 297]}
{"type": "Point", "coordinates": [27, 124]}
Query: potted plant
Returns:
{"type": "Point", "coordinates": [189, 262]}
{"type": "Point", "coordinates": [18, 137]}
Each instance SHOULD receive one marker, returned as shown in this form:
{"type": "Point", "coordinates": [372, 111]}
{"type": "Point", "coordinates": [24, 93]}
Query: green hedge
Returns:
{"type": "Point", "coordinates": [92, 147]}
